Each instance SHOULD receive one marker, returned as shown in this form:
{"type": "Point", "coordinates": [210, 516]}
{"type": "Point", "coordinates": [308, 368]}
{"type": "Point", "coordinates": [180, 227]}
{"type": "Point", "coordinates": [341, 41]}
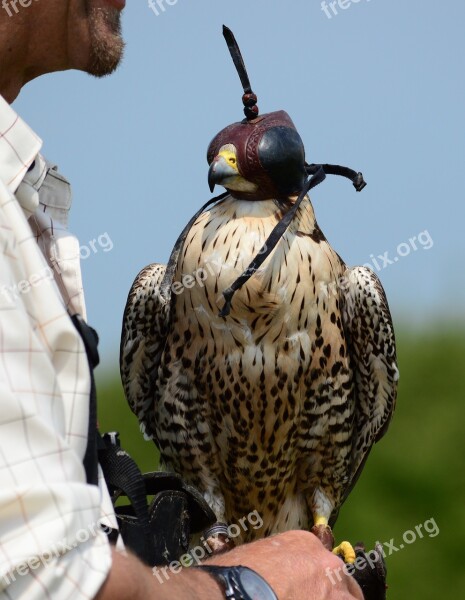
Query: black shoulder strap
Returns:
{"type": "Point", "coordinates": [119, 469]}
{"type": "Point", "coordinates": [158, 534]}
{"type": "Point", "coordinates": [90, 338]}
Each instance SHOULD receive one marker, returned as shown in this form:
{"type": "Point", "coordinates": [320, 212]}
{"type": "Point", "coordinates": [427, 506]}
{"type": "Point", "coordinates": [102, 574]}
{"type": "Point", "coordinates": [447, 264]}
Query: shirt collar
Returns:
{"type": "Point", "coordinates": [19, 146]}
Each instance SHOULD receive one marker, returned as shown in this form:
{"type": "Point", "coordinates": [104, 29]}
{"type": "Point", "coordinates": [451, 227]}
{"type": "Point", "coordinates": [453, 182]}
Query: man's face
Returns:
{"type": "Point", "coordinates": [55, 35]}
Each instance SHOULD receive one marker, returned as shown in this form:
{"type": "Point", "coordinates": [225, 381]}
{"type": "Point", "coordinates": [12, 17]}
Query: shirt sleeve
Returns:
{"type": "Point", "coordinates": [51, 542]}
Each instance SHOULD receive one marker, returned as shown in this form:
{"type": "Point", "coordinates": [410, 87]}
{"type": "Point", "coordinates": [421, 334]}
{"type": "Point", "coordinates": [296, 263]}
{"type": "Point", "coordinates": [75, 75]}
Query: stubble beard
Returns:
{"type": "Point", "coordinates": [107, 45]}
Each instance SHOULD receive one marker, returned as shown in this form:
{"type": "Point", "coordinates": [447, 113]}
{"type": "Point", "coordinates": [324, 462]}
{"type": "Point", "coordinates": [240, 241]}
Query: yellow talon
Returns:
{"type": "Point", "coordinates": [346, 552]}
{"type": "Point", "coordinates": [318, 520]}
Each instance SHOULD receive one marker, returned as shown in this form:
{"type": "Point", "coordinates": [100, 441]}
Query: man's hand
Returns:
{"type": "Point", "coordinates": [295, 564]}
{"type": "Point", "coordinates": [297, 567]}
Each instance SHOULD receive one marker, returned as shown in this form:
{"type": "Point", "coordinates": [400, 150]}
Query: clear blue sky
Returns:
{"type": "Point", "coordinates": [379, 87]}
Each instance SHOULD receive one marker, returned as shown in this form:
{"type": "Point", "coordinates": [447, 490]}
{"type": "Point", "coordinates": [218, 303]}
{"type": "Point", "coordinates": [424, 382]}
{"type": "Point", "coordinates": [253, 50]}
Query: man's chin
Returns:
{"type": "Point", "coordinates": [107, 45]}
{"type": "Point", "coordinates": [100, 66]}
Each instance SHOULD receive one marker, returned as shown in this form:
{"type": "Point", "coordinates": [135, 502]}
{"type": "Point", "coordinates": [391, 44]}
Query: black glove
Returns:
{"type": "Point", "coordinates": [370, 572]}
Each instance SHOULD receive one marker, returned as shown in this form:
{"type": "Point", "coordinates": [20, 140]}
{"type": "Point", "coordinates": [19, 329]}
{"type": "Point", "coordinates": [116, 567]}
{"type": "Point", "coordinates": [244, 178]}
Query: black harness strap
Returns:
{"type": "Point", "coordinates": [90, 338]}
{"type": "Point", "coordinates": [165, 285]}
{"type": "Point", "coordinates": [317, 174]}
{"type": "Point", "coordinates": [356, 178]}
{"type": "Point", "coordinates": [270, 244]}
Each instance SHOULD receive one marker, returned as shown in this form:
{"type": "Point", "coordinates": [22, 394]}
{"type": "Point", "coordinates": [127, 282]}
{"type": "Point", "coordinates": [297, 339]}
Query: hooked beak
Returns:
{"type": "Point", "coordinates": [219, 172]}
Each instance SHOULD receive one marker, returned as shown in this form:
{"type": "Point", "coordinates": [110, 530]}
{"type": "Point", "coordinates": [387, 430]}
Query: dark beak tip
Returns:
{"type": "Point", "coordinates": [211, 176]}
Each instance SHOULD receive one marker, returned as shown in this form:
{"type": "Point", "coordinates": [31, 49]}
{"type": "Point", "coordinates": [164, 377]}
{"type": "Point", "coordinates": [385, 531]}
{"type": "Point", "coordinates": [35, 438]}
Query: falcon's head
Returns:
{"type": "Point", "coordinates": [258, 159]}
{"type": "Point", "coordinates": [224, 171]}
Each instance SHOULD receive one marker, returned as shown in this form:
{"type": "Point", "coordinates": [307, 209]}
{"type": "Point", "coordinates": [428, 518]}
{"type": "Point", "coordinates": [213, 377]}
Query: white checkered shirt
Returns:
{"type": "Point", "coordinates": [51, 544]}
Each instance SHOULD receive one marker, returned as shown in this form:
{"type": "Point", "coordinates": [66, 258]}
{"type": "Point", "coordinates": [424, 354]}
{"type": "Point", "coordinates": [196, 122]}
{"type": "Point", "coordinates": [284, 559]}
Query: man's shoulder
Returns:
{"type": "Point", "coordinates": [55, 195]}
{"type": "Point", "coordinates": [19, 145]}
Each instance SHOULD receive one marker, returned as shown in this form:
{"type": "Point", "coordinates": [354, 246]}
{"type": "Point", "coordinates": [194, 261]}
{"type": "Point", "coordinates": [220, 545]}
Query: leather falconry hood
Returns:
{"type": "Point", "coordinates": [271, 154]}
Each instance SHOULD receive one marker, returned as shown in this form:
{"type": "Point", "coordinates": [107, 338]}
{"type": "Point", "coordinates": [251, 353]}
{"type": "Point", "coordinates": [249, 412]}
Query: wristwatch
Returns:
{"type": "Point", "coordinates": [240, 583]}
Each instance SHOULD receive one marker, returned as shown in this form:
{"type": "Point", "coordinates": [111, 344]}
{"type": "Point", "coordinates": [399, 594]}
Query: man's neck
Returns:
{"type": "Point", "coordinates": [24, 53]}
{"type": "Point", "coordinates": [10, 90]}
{"type": "Point", "coordinates": [13, 55]}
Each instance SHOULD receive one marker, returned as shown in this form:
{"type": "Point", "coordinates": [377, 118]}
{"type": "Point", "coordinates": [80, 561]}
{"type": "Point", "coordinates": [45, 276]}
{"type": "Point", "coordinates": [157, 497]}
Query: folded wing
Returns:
{"type": "Point", "coordinates": [145, 329]}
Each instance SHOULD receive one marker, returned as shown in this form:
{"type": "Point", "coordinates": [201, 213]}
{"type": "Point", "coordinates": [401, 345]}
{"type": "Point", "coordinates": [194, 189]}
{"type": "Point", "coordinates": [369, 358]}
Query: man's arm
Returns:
{"type": "Point", "coordinates": [51, 541]}
{"type": "Point", "coordinates": [295, 564]}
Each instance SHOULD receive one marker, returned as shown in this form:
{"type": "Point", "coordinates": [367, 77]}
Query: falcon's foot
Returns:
{"type": "Point", "coordinates": [217, 540]}
{"type": "Point", "coordinates": [346, 551]}
{"type": "Point", "coordinates": [323, 532]}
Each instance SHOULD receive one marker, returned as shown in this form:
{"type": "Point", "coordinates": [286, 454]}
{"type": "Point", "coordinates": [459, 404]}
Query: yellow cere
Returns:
{"type": "Point", "coordinates": [230, 158]}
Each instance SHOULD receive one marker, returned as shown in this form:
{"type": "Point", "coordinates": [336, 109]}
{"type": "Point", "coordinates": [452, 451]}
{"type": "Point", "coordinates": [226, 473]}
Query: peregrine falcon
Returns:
{"type": "Point", "coordinates": [260, 364]}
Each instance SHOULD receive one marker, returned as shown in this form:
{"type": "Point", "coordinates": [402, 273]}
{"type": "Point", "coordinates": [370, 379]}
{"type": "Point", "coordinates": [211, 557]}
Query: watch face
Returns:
{"type": "Point", "coordinates": [255, 586]}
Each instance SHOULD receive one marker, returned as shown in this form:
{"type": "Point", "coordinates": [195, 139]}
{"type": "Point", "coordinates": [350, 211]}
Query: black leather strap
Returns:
{"type": "Point", "coordinates": [315, 179]}
{"type": "Point", "coordinates": [165, 286]}
{"type": "Point", "coordinates": [317, 174]}
{"type": "Point", "coordinates": [356, 177]}
{"type": "Point", "coordinates": [90, 338]}
{"type": "Point", "coordinates": [122, 474]}
{"type": "Point", "coordinates": [249, 99]}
